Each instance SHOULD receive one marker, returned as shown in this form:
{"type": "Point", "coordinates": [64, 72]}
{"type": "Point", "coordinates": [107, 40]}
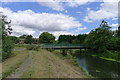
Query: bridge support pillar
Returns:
{"type": "Point", "coordinates": [80, 51]}
{"type": "Point", "coordinates": [63, 52]}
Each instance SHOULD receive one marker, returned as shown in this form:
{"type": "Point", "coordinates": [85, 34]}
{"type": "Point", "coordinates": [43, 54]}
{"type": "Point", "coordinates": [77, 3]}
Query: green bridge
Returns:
{"type": "Point", "coordinates": [63, 46]}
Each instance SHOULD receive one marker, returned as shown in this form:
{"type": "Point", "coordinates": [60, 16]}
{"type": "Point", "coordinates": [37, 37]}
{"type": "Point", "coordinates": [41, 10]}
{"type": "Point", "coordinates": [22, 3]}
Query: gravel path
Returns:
{"type": "Point", "coordinates": [19, 49]}
{"type": "Point", "coordinates": [23, 67]}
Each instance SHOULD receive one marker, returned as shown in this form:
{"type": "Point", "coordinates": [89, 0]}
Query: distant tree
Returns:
{"type": "Point", "coordinates": [29, 39]}
{"type": "Point", "coordinates": [46, 37]}
{"type": "Point", "coordinates": [98, 39]}
{"type": "Point", "coordinates": [35, 41]}
{"type": "Point", "coordinates": [14, 39]}
{"type": "Point", "coordinates": [23, 36]}
{"type": "Point", "coordinates": [66, 38]}
{"type": "Point", "coordinates": [79, 39]}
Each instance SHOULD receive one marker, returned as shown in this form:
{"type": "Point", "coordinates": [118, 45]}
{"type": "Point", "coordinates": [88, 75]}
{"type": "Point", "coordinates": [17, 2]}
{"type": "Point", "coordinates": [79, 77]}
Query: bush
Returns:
{"type": "Point", "coordinates": [7, 48]}
{"type": "Point", "coordinates": [20, 45]}
{"type": "Point", "coordinates": [51, 50]}
{"type": "Point", "coordinates": [32, 47]}
{"type": "Point", "coordinates": [73, 60]}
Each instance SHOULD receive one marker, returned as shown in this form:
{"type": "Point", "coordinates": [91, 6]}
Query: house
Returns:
{"type": "Point", "coordinates": [21, 41]}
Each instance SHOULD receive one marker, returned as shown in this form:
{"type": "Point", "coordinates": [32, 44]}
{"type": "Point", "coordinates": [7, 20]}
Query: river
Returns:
{"type": "Point", "coordinates": [98, 67]}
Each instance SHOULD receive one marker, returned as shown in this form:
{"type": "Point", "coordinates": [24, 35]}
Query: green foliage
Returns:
{"type": "Point", "coordinates": [73, 59]}
{"type": "Point", "coordinates": [112, 56]}
{"type": "Point", "coordinates": [98, 38]}
{"type": "Point", "coordinates": [29, 39]}
{"type": "Point", "coordinates": [35, 41]}
{"type": "Point", "coordinates": [14, 39]}
{"type": "Point", "coordinates": [7, 48]}
{"type": "Point", "coordinates": [23, 36]}
{"type": "Point", "coordinates": [21, 45]}
{"type": "Point", "coordinates": [46, 37]}
{"type": "Point", "coordinates": [7, 43]}
{"type": "Point", "coordinates": [32, 47]}
{"type": "Point", "coordinates": [101, 40]}
{"type": "Point", "coordinates": [66, 38]}
{"type": "Point", "coordinates": [114, 44]}
{"type": "Point", "coordinates": [79, 39]}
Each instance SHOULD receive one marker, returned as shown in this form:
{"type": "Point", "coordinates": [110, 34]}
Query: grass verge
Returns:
{"type": "Point", "coordinates": [11, 64]}
{"type": "Point", "coordinates": [73, 61]}
{"type": "Point", "coordinates": [106, 58]}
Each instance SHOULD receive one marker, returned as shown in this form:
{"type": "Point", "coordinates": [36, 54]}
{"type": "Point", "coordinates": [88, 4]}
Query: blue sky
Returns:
{"type": "Point", "coordinates": [59, 19]}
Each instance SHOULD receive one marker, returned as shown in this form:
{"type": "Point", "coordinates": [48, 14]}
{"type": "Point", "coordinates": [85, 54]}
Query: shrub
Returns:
{"type": "Point", "coordinates": [73, 60]}
{"type": "Point", "coordinates": [32, 47]}
{"type": "Point", "coordinates": [7, 48]}
{"type": "Point", "coordinates": [20, 45]}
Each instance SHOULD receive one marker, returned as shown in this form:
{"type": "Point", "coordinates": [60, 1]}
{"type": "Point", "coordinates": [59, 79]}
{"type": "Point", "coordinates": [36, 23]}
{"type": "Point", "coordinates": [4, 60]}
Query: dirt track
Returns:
{"type": "Point", "coordinates": [23, 67]}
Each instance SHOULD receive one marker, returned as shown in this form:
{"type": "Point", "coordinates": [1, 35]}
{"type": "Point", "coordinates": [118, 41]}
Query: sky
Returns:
{"type": "Point", "coordinates": [59, 17]}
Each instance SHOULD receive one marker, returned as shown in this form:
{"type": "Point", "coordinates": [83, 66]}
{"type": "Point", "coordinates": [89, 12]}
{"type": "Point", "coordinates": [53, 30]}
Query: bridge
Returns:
{"type": "Point", "coordinates": [63, 46]}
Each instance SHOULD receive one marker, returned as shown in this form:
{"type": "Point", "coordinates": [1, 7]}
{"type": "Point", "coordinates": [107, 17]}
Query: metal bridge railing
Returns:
{"type": "Point", "coordinates": [53, 45]}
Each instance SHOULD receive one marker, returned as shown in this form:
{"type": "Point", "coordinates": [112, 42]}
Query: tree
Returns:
{"type": "Point", "coordinates": [7, 44]}
{"type": "Point", "coordinates": [66, 38]}
{"type": "Point", "coordinates": [79, 39]}
{"type": "Point", "coordinates": [46, 37]}
{"type": "Point", "coordinates": [98, 38]}
{"type": "Point", "coordinates": [35, 41]}
{"type": "Point", "coordinates": [14, 39]}
{"type": "Point", "coordinates": [23, 36]}
{"type": "Point", "coordinates": [29, 39]}
{"type": "Point", "coordinates": [114, 44]}
{"type": "Point", "coordinates": [5, 26]}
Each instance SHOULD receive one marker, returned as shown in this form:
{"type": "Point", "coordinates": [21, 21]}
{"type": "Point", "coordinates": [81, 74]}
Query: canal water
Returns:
{"type": "Point", "coordinates": [99, 68]}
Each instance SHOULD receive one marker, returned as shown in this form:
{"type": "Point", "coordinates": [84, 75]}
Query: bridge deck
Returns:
{"type": "Point", "coordinates": [64, 46]}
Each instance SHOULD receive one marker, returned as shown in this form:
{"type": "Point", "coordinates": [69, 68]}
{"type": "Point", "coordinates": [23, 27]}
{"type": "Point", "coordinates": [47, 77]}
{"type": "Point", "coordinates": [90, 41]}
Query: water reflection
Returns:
{"type": "Point", "coordinates": [99, 68]}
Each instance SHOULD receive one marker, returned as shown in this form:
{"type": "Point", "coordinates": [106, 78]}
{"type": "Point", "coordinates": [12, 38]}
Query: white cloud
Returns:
{"type": "Point", "coordinates": [115, 18]}
{"type": "Point", "coordinates": [87, 32]}
{"type": "Point", "coordinates": [52, 4]}
{"type": "Point", "coordinates": [78, 12]}
{"type": "Point", "coordinates": [28, 21]}
{"type": "Point", "coordinates": [59, 5]}
{"type": "Point", "coordinates": [88, 9]}
{"type": "Point", "coordinates": [80, 29]}
{"type": "Point", "coordinates": [58, 33]}
{"type": "Point", "coordinates": [17, 0]}
{"type": "Point", "coordinates": [75, 3]}
{"type": "Point", "coordinates": [111, 0]}
{"type": "Point", "coordinates": [108, 10]}
{"type": "Point", "coordinates": [114, 25]}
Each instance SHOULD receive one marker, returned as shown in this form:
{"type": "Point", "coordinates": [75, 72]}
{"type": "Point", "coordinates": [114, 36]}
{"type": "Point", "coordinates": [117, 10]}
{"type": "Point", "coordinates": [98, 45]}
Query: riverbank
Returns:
{"type": "Point", "coordinates": [109, 59]}
{"type": "Point", "coordinates": [108, 55]}
{"type": "Point", "coordinates": [99, 68]}
{"type": "Point", "coordinates": [72, 61]}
